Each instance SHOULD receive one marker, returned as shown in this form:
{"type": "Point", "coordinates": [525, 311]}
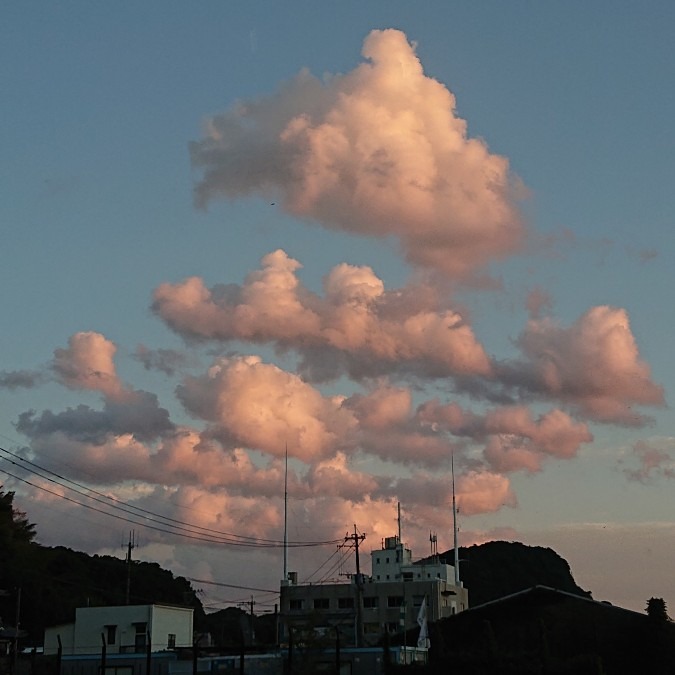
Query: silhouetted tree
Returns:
{"type": "Point", "coordinates": [14, 525]}
{"type": "Point", "coordinates": [656, 609]}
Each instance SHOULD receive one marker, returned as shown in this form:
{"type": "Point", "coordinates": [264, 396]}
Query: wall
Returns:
{"type": "Point", "coordinates": [175, 620]}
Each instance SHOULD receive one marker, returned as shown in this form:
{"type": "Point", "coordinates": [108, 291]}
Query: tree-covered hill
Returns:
{"type": "Point", "coordinates": [53, 581]}
{"type": "Point", "coordinates": [499, 568]}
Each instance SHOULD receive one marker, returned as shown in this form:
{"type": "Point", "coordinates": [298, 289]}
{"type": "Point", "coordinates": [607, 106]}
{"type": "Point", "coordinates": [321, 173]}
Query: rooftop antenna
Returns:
{"type": "Point", "coordinates": [454, 521]}
{"type": "Point", "coordinates": [286, 517]}
{"type": "Point", "coordinates": [433, 541]}
{"type": "Point", "coordinates": [399, 522]}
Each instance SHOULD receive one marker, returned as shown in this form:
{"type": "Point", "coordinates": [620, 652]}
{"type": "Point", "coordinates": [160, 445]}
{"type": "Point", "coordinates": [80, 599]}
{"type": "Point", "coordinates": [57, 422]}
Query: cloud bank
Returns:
{"type": "Point", "coordinates": [381, 388]}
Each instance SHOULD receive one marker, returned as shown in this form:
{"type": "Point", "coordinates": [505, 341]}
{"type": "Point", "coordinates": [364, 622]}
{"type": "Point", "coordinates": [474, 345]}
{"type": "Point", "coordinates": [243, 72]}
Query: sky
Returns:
{"type": "Point", "coordinates": [381, 237]}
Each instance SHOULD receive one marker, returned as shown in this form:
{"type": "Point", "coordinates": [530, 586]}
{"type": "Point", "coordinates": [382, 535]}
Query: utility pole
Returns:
{"type": "Point", "coordinates": [454, 521]}
{"type": "Point", "coordinates": [357, 539]}
{"type": "Point", "coordinates": [130, 546]}
{"type": "Point", "coordinates": [252, 629]}
{"type": "Point", "coordinates": [16, 629]}
{"type": "Point", "coordinates": [249, 605]}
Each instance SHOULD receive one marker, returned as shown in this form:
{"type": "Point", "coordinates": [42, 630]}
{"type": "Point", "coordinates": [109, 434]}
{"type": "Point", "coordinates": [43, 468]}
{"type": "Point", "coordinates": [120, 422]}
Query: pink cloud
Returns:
{"type": "Point", "coordinates": [357, 320]}
{"type": "Point", "coordinates": [335, 477]}
{"type": "Point", "coordinates": [513, 439]}
{"type": "Point", "coordinates": [383, 408]}
{"type": "Point", "coordinates": [483, 492]}
{"type": "Point", "coordinates": [594, 365]}
{"type": "Point", "coordinates": [554, 433]}
{"type": "Point", "coordinates": [653, 461]}
{"type": "Point", "coordinates": [261, 406]}
{"type": "Point", "coordinates": [389, 429]}
{"type": "Point", "coordinates": [87, 363]}
{"type": "Point", "coordinates": [379, 152]}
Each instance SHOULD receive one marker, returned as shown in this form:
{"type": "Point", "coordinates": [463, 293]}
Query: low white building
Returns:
{"type": "Point", "coordinates": [126, 629]}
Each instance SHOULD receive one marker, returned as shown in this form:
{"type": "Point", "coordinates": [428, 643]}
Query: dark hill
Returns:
{"type": "Point", "coordinates": [499, 568]}
{"type": "Point", "coordinates": [48, 584]}
{"type": "Point", "coordinates": [55, 581]}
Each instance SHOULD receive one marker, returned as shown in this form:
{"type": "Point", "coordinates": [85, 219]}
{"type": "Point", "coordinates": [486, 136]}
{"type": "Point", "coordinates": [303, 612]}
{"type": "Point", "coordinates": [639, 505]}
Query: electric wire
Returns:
{"type": "Point", "coordinates": [130, 508]}
{"type": "Point", "coordinates": [336, 566]}
{"type": "Point", "coordinates": [147, 522]}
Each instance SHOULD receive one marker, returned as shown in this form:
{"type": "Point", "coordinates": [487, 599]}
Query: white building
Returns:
{"type": "Point", "coordinates": [124, 629]}
{"type": "Point", "coordinates": [388, 601]}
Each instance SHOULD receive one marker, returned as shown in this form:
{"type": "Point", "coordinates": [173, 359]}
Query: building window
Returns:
{"type": "Point", "coordinates": [407, 576]}
{"type": "Point", "coordinates": [371, 628]}
{"type": "Point", "coordinates": [110, 634]}
{"type": "Point", "coordinates": [295, 604]}
{"type": "Point", "coordinates": [378, 577]}
{"type": "Point", "coordinates": [387, 577]}
{"type": "Point", "coordinates": [418, 600]}
{"type": "Point", "coordinates": [394, 601]}
{"type": "Point", "coordinates": [387, 561]}
{"type": "Point", "coordinates": [321, 603]}
{"type": "Point", "coordinates": [377, 560]}
{"type": "Point", "coordinates": [171, 641]}
{"type": "Point", "coordinates": [140, 640]}
{"type": "Point", "coordinates": [370, 603]}
{"type": "Point", "coordinates": [345, 603]}
{"type": "Point", "coordinates": [392, 627]}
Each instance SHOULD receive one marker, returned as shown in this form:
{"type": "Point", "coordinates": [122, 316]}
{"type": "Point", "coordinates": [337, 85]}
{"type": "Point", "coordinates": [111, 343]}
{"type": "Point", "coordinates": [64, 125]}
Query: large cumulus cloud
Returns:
{"type": "Point", "coordinates": [379, 151]}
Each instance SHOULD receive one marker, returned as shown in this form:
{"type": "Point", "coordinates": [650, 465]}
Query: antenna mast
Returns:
{"type": "Point", "coordinates": [433, 541]}
{"type": "Point", "coordinates": [286, 517]}
{"type": "Point", "coordinates": [454, 521]}
{"type": "Point", "coordinates": [399, 522]}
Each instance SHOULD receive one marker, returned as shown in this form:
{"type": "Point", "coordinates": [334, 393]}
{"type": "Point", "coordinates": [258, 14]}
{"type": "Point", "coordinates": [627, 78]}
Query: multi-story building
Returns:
{"type": "Point", "coordinates": [363, 609]}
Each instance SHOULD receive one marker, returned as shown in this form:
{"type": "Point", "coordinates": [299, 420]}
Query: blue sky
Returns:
{"type": "Point", "coordinates": [101, 105]}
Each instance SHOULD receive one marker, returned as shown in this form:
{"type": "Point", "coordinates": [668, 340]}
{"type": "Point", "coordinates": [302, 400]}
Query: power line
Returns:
{"type": "Point", "coordinates": [124, 504]}
{"type": "Point", "coordinates": [149, 520]}
{"type": "Point", "coordinates": [224, 585]}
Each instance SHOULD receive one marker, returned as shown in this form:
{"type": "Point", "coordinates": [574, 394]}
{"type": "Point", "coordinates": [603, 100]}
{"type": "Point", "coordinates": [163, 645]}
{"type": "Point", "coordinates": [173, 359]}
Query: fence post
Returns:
{"type": "Point", "coordinates": [103, 653]}
{"type": "Point", "coordinates": [148, 654]}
